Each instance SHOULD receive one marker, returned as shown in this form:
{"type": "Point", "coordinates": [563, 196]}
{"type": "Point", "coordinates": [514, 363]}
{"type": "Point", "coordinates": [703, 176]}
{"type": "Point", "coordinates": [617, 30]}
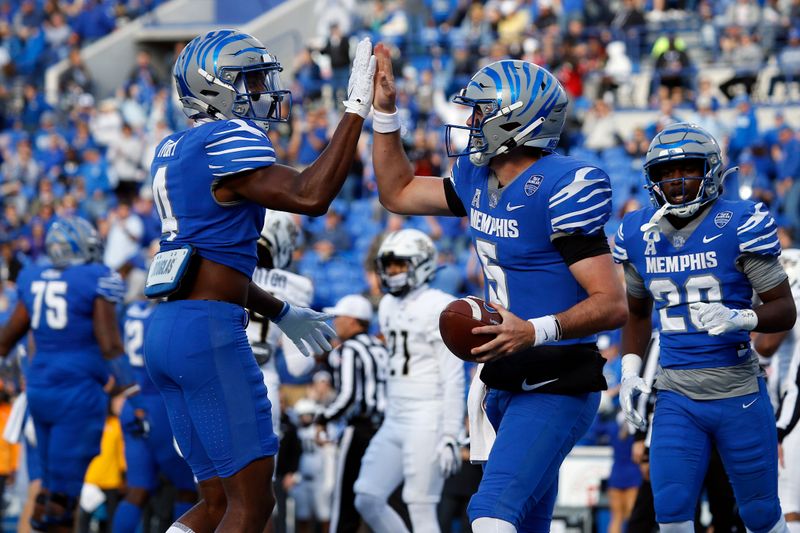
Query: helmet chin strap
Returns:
{"type": "Point", "coordinates": [651, 226]}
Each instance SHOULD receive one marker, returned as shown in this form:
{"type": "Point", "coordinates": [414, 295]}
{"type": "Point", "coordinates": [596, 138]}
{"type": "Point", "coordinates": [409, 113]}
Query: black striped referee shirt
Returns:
{"type": "Point", "coordinates": [360, 366]}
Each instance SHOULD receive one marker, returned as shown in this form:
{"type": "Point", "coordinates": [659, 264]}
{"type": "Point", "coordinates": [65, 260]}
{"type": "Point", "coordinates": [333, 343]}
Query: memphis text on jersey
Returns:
{"type": "Point", "coordinates": [681, 263]}
{"type": "Point", "coordinates": [497, 227]}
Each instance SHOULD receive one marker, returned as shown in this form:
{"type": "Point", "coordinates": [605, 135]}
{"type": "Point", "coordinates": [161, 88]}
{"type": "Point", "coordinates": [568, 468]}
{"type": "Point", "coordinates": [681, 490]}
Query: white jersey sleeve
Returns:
{"type": "Point", "coordinates": [295, 289]}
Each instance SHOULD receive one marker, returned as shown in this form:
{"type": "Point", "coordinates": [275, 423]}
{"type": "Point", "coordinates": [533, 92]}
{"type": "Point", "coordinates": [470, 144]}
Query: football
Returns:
{"type": "Point", "coordinates": [458, 319]}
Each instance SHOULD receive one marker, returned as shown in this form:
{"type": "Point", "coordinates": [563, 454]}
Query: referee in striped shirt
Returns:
{"type": "Point", "coordinates": [360, 365]}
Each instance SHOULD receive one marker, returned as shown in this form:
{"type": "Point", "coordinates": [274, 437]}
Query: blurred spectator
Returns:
{"type": "Point", "coordinates": [124, 154]}
{"type": "Point", "coordinates": [57, 35]}
{"type": "Point", "coordinates": [94, 21]}
{"type": "Point", "coordinates": [307, 88]}
{"type": "Point", "coordinates": [309, 136]}
{"type": "Point", "coordinates": [707, 94]}
{"type": "Point", "coordinates": [745, 129]}
{"type": "Point", "coordinates": [743, 13]}
{"type": "Point", "coordinates": [617, 72]}
{"type": "Point", "coordinates": [638, 144]}
{"type": "Point", "coordinates": [106, 123]}
{"type": "Point", "coordinates": [337, 48]}
{"type": "Point", "coordinates": [788, 65]}
{"type": "Point", "coordinates": [706, 117]}
{"type": "Point", "coordinates": [747, 58]}
{"type": "Point", "coordinates": [144, 75]}
{"type": "Point", "coordinates": [600, 128]}
{"type": "Point", "coordinates": [665, 117]}
{"type": "Point", "coordinates": [334, 231]}
{"type": "Point", "coordinates": [125, 234]}
{"type": "Point", "coordinates": [33, 106]}
{"type": "Point", "coordinates": [673, 66]}
{"type": "Point", "coordinates": [748, 183]}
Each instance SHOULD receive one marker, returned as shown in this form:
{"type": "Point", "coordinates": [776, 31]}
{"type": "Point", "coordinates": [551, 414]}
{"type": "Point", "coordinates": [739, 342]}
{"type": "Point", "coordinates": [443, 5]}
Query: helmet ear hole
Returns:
{"type": "Point", "coordinates": [206, 92]}
{"type": "Point", "coordinates": [510, 126]}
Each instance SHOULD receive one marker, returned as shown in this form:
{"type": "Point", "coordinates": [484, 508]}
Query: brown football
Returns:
{"type": "Point", "coordinates": [458, 319]}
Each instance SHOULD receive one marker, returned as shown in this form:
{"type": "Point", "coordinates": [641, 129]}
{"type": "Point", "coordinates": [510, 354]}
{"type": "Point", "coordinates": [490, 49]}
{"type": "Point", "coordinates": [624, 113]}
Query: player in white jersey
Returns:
{"type": "Point", "coordinates": [416, 444]}
{"type": "Point", "coordinates": [784, 350]}
{"type": "Point", "coordinates": [275, 249]}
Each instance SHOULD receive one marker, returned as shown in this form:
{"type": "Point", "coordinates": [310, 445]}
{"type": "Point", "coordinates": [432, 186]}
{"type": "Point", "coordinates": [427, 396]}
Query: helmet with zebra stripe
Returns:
{"type": "Point", "coordinates": [72, 241]}
{"type": "Point", "coordinates": [228, 74]}
{"type": "Point", "coordinates": [513, 103]}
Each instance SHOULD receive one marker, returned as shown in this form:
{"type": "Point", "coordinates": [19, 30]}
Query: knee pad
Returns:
{"type": "Point", "coordinates": [67, 516]}
{"type": "Point", "coordinates": [763, 516]}
{"type": "Point", "coordinates": [369, 505]}
{"type": "Point", "coordinates": [677, 527]}
{"type": "Point", "coordinates": [779, 527]}
{"type": "Point", "coordinates": [492, 525]}
{"type": "Point", "coordinates": [423, 516]}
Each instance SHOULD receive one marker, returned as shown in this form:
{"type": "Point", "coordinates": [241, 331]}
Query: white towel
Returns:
{"type": "Point", "coordinates": [16, 419]}
{"type": "Point", "coordinates": [481, 432]}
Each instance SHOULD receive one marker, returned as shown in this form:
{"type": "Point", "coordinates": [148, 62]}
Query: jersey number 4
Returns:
{"type": "Point", "coordinates": [53, 295]}
{"type": "Point", "coordinates": [169, 224]}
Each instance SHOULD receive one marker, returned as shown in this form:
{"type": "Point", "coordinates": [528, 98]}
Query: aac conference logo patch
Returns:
{"type": "Point", "coordinates": [722, 218]}
{"type": "Point", "coordinates": [533, 183]}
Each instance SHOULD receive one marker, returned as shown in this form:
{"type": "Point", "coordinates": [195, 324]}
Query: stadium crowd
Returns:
{"type": "Point", "coordinates": [89, 154]}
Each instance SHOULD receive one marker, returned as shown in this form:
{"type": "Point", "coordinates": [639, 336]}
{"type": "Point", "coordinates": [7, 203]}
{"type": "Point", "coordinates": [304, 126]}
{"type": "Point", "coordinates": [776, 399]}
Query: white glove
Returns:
{"type": "Point", "coordinates": [306, 328]}
{"type": "Point", "coordinates": [449, 456]}
{"type": "Point", "coordinates": [632, 384]}
{"type": "Point", "coordinates": [717, 319]}
{"type": "Point", "coordinates": [360, 88]}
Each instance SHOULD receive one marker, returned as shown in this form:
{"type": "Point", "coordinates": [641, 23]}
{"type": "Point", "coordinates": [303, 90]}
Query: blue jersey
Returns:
{"type": "Point", "coordinates": [703, 269]}
{"type": "Point", "coordinates": [134, 324]}
{"type": "Point", "coordinates": [186, 169]}
{"type": "Point", "coordinates": [513, 230]}
{"type": "Point", "coordinates": [60, 304]}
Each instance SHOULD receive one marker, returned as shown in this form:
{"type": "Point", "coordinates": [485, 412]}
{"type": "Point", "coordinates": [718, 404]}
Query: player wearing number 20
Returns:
{"type": "Point", "coordinates": [416, 444]}
{"type": "Point", "coordinates": [699, 258]}
{"type": "Point", "coordinates": [536, 219]}
{"type": "Point", "coordinates": [69, 307]}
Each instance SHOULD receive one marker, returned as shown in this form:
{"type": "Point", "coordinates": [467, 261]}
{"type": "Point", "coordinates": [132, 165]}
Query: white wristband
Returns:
{"type": "Point", "coordinates": [547, 329]}
{"type": "Point", "coordinates": [631, 364]}
{"type": "Point", "coordinates": [385, 122]}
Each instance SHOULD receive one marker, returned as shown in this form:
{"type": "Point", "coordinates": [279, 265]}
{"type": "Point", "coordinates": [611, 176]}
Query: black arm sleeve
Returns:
{"type": "Point", "coordinates": [453, 201]}
{"type": "Point", "coordinates": [574, 248]}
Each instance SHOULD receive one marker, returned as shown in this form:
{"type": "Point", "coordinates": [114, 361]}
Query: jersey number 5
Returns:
{"type": "Point", "coordinates": [495, 277]}
{"type": "Point", "coordinates": [53, 295]}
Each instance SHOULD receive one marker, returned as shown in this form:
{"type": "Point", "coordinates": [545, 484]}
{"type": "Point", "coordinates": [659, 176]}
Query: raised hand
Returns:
{"type": "Point", "coordinates": [385, 91]}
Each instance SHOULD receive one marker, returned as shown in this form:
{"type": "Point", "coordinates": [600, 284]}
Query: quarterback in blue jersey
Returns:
{"type": "Point", "coordinates": [699, 258]}
{"type": "Point", "coordinates": [149, 448]}
{"type": "Point", "coordinates": [70, 308]}
{"type": "Point", "coordinates": [536, 219]}
{"type": "Point", "coordinates": [211, 185]}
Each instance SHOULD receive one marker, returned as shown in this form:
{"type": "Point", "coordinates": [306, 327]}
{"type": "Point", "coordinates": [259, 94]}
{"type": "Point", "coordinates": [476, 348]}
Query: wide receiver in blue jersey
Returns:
{"type": "Point", "coordinates": [536, 219]}
{"type": "Point", "coordinates": [69, 307]}
{"type": "Point", "coordinates": [211, 184]}
{"type": "Point", "coordinates": [700, 258]}
{"type": "Point", "coordinates": [149, 449]}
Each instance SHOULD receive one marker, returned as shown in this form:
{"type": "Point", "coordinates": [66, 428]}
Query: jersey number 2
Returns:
{"type": "Point", "coordinates": [53, 295]}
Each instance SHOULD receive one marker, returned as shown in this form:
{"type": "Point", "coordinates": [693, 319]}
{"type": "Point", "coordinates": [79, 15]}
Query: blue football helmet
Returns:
{"type": "Point", "coordinates": [73, 241]}
{"type": "Point", "coordinates": [227, 74]}
{"type": "Point", "coordinates": [678, 142]}
{"type": "Point", "coordinates": [513, 103]}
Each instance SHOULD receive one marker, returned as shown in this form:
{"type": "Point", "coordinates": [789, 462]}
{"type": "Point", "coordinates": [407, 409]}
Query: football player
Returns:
{"type": "Point", "coordinates": [275, 248]}
{"type": "Point", "coordinates": [70, 308]}
{"type": "Point", "coordinates": [784, 383]}
{"type": "Point", "coordinates": [699, 258]}
{"type": "Point", "coordinates": [211, 184]}
{"type": "Point", "coordinates": [149, 449]}
{"type": "Point", "coordinates": [416, 444]}
{"type": "Point", "coordinates": [536, 219]}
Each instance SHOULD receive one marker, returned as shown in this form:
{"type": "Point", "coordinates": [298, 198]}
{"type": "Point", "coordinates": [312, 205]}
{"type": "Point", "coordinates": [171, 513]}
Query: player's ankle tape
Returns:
{"type": "Point", "coordinates": [385, 122]}
{"type": "Point", "coordinates": [547, 330]}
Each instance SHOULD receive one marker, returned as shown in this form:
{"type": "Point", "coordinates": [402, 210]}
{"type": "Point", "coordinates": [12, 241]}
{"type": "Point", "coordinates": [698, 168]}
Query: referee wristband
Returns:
{"type": "Point", "coordinates": [547, 329]}
{"type": "Point", "coordinates": [385, 122]}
